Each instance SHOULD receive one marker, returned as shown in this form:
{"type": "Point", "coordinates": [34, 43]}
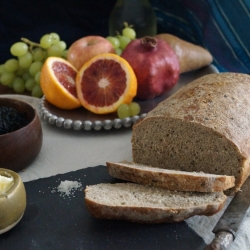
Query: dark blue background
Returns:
{"type": "Point", "coordinates": [219, 26]}
{"type": "Point", "coordinates": [71, 19]}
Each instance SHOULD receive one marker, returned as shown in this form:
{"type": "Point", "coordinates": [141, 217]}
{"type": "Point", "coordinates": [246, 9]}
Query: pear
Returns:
{"type": "Point", "coordinates": [191, 57]}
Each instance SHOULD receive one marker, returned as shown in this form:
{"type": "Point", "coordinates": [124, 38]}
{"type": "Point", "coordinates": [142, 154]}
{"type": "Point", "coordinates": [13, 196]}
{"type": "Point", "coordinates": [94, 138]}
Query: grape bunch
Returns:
{"type": "Point", "coordinates": [128, 110]}
{"type": "Point", "coordinates": [120, 41]}
{"type": "Point", "coordinates": [22, 73]}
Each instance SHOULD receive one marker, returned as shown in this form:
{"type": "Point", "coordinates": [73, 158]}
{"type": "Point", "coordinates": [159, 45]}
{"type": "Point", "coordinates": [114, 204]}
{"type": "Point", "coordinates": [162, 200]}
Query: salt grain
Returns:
{"type": "Point", "coordinates": [68, 187]}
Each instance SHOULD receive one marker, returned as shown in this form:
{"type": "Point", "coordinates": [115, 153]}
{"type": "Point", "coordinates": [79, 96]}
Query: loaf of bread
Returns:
{"type": "Point", "coordinates": [169, 179]}
{"type": "Point", "coordinates": [204, 126]}
{"type": "Point", "coordinates": [144, 204]}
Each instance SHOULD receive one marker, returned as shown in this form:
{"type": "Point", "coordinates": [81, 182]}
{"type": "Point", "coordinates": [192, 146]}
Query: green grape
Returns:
{"type": "Point", "coordinates": [114, 41]}
{"type": "Point", "coordinates": [10, 85]}
{"type": "Point", "coordinates": [7, 78]}
{"type": "Point", "coordinates": [2, 69]}
{"type": "Point", "coordinates": [45, 55]}
{"type": "Point", "coordinates": [35, 67]}
{"type": "Point", "coordinates": [64, 54]}
{"type": "Point", "coordinates": [134, 108]}
{"type": "Point", "coordinates": [20, 71]}
{"type": "Point", "coordinates": [18, 85]}
{"type": "Point", "coordinates": [38, 54]}
{"type": "Point", "coordinates": [24, 71]}
{"type": "Point", "coordinates": [46, 41]}
{"type": "Point", "coordinates": [26, 76]}
{"type": "Point", "coordinates": [61, 45]}
{"type": "Point", "coordinates": [123, 111]}
{"type": "Point", "coordinates": [37, 77]}
{"type": "Point", "coordinates": [124, 41]}
{"type": "Point", "coordinates": [54, 51]}
{"type": "Point", "coordinates": [129, 32]}
{"type": "Point", "coordinates": [37, 91]}
{"type": "Point", "coordinates": [30, 84]}
{"type": "Point", "coordinates": [18, 49]}
{"type": "Point", "coordinates": [11, 65]}
{"type": "Point", "coordinates": [55, 37]}
{"type": "Point", "coordinates": [25, 60]}
{"type": "Point", "coordinates": [118, 51]}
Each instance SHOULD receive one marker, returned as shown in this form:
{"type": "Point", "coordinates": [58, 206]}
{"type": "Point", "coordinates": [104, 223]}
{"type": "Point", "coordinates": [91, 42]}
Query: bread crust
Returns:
{"type": "Point", "coordinates": [214, 106]}
{"type": "Point", "coordinates": [169, 179]}
{"type": "Point", "coordinates": [148, 214]}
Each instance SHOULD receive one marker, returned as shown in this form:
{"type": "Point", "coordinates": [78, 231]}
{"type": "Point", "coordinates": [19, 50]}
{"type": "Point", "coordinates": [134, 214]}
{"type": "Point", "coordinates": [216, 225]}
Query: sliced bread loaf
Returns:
{"type": "Point", "coordinates": [204, 126]}
{"type": "Point", "coordinates": [144, 204]}
{"type": "Point", "coordinates": [170, 179]}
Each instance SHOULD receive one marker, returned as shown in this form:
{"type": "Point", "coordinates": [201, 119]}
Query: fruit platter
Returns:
{"type": "Point", "coordinates": [102, 82]}
{"type": "Point", "coordinates": [82, 119]}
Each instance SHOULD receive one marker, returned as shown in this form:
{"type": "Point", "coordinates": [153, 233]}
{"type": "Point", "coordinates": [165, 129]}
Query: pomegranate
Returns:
{"type": "Point", "coordinates": [155, 64]}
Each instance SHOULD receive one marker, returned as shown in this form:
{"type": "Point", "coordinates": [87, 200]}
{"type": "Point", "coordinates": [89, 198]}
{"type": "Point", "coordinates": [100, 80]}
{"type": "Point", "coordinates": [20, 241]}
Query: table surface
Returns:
{"type": "Point", "coordinates": [69, 150]}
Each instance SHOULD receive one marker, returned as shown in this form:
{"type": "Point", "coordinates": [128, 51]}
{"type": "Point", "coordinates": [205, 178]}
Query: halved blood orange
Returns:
{"type": "Point", "coordinates": [57, 81]}
{"type": "Point", "coordinates": [105, 82]}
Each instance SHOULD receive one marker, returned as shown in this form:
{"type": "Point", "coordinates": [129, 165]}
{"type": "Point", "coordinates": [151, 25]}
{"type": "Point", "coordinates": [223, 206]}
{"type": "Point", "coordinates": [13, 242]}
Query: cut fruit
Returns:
{"type": "Point", "coordinates": [105, 82]}
{"type": "Point", "coordinates": [57, 82]}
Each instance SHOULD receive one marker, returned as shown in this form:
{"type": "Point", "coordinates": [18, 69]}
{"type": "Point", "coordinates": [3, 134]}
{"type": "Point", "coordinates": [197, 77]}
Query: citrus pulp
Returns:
{"type": "Point", "coordinates": [57, 82]}
{"type": "Point", "coordinates": [105, 82]}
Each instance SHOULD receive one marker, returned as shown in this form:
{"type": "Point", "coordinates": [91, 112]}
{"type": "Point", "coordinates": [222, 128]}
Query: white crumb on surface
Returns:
{"type": "Point", "coordinates": [68, 188]}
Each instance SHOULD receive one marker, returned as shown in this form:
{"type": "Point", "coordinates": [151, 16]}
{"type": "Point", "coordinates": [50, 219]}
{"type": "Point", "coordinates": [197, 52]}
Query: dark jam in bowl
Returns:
{"type": "Point", "coordinates": [11, 120]}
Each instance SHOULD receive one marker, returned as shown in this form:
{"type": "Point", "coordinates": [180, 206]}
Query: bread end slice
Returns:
{"type": "Point", "coordinates": [170, 179]}
{"type": "Point", "coordinates": [143, 204]}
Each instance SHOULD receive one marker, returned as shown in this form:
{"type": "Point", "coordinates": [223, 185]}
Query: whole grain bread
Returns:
{"type": "Point", "coordinates": [144, 204]}
{"type": "Point", "coordinates": [205, 126]}
{"type": "Point", "coordinates": [169, 179]}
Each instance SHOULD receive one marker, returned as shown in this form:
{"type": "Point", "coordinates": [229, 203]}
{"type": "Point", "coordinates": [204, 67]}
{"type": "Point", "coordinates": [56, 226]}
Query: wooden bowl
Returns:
{"type": "Point", "coordinates": [12, 202]}
{"type": "Point", "coordinates": [19, 148]}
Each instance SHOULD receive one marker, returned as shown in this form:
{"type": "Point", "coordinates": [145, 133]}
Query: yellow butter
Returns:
{"type": "Point", "coordinates": [5, 183]}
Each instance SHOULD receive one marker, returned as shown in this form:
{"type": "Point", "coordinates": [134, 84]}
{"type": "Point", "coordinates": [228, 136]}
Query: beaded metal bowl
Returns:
{"type": "Point", "coordinates": [81, 119]}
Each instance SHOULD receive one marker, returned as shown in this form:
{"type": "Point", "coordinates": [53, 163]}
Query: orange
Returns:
{"type": "Point", "coordinates": [105, 82]}
{"type": "Point", "coordinates": [57, 81]}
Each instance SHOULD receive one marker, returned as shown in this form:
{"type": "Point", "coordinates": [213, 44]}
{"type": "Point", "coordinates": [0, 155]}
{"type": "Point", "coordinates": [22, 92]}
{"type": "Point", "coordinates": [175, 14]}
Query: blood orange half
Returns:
{"type": "Point", "coordinates": [57, 82]}
{"type": "Point", "coordinates": [105, 82]}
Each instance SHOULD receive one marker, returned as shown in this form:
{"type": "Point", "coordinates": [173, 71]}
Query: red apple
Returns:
{"type": "Point", "coordinates": [87, 47]}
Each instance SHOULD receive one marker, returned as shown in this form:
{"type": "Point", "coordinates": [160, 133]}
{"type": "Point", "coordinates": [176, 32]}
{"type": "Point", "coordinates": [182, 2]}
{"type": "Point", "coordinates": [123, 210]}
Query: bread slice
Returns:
{"type": "Point", "coordinates": [140, 203]}
{"type": "Point", "coordinates": [204, 126]}
{"type": "Point", "coordinates": [170, 179]}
